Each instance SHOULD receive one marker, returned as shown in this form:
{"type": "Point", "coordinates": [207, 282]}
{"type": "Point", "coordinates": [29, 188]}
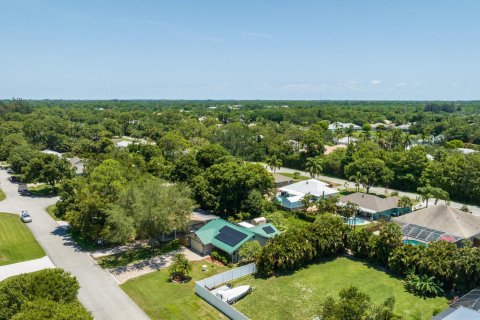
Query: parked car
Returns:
{"type": "Point", "coordinates": [10, 171]}
{"type": "Point", "coordinates": [26, 217]}
{"type": "Point", "coordinates": [13, 179]}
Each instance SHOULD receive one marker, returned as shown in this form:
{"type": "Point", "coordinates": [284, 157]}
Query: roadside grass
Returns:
{"type": "Point", "coordinates": [17, 243]}
{"type": "Point", "coordinates": [51, 211]}
{"type": "Point", "coordinates": [2, 195]}
{"type": "Point", "coordinates": [43, 190]}
{"type": "Point", "coordinates": [162, 299]}
{"type": "Point", "coordinates": [303, 177]}
{"type": "Point", "coordinates": [291, 175]}
{"type": "Point", "coordinates": [298, 295]}
{"type": "Point", "coordinates": [136, 255]}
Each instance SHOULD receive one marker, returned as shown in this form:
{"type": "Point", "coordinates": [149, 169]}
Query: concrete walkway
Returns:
{"type": "Point", "coordinates": [99, 291]}
{"type": "Point", "coordinates": [15, 269]}
{"type": "Point", "coordinates": [378, 190]}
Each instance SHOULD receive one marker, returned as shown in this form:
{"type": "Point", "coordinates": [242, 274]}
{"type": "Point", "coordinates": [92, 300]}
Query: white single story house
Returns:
{"type": "Point", "coordinates": [341, 125]}
{"type": "Point", "coordinates": [290, 197]}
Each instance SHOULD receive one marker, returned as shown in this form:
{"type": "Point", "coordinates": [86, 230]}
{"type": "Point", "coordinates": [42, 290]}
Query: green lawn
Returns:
{"type": "Point", "coordinates": [162, 299]}
{"type": "Point", "coordinates": [43, 190]}
{"type": "Point", "coordinates": [302, 177]}
{"type": "Point", "coordinates": [299, 295]}
{"type": "Point", "coordinates": [16, 242]}
{"type": "Point", "coordinates": [2, 195]}
{"type": "Point", "coordinates": [136, 255]}
{"type": "Point", "coordinates": [51, 211]}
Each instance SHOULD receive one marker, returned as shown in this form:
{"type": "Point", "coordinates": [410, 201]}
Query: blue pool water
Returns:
{"type": "Point", "coordinates": [414, 242]}
{"type": "Point", "coordinates": [357, 221]}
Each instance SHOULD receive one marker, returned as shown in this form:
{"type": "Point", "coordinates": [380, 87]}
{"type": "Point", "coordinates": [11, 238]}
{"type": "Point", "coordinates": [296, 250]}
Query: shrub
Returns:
{"type": "Point", "coordinates": [297, 246]}
{"type": "Point", "coordinates": [38, 288]}
{"type": "Point", "coordinates": [220, 256]}
{"type": "Point", "coordinates": [423, 285]}
{"type": "Point", "coordinates": [250, 251]}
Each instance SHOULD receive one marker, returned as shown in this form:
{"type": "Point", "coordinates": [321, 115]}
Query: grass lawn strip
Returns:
{"type": "Point", "coordinates": [162, 299]}
{"type": "Point", "coordinates": [135, 255]}
{"type": "Point", "coordinates": [17, 244]}
{"type": "Point", "coordinates": [299, 295]}
{"type": "Point", "coordinates": [2, 195]}
{"type": "Point", "coordinates": [51, 211]}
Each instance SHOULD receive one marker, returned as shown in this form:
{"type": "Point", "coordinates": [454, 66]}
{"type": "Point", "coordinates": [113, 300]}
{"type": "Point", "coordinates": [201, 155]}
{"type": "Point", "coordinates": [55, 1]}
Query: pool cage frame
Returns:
{"type": "Point", "coordinates": [423, 234]}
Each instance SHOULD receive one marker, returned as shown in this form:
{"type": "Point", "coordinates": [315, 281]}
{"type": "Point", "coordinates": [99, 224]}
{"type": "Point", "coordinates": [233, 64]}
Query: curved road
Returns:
{"type": "Point", "coordinates": [379, 190]}
{"type": "Point", "coordinates": [99, 291]}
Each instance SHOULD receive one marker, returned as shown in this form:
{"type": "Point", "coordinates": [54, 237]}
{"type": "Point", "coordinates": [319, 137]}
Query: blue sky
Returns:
{"type": "Point", "coordinates": [338, 49]}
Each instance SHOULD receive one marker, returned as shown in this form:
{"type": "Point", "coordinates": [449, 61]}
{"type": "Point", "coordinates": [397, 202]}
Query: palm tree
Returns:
{"type": "Point", "coordinates": [314, 166]}
{"type": "Point", "coordinates": [425, 194]}
{"type": "Point", "coordinates": [180, 267]}
{"type": "Point", "coordinates": [349, 132]}
{"type": "Point", "coordinates": [306, 201]}
{"type": "Point", "coordinates": [357, 178]}
{"type": "Point", "coordinates": [405, 202]}
{"type": "Point", "coordinates": [367, 135]}
{"type": "Point", "coordinates": [407, 140]}
{"type": "Point", "coordinates": [274, 163]}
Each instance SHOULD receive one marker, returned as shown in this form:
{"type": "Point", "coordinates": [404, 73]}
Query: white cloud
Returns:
{"type": "Point", "coordinates": [375, 82]}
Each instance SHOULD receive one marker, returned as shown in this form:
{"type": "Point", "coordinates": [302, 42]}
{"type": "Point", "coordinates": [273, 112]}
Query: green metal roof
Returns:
{"type": "Point", "coordinates": [207, 234]}
{"type": "Point", "coordinates": [259, 230]}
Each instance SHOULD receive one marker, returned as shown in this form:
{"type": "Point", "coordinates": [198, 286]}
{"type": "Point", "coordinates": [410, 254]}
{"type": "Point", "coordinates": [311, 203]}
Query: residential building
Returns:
{"type": "Point", "coordinates": [290, 197]}
{"type": "Point", "coordinates": [281, 180]}
{"type": "Point", "coordinates": [341, 125]}
{"type": "Point", "coordinates": [374, 207]}
{"type": "Point", "coordinates": [465, 308]}
{"type": "Point", "coordinates": [77, 165]}
{"type": "Point", "coordinates": [440, 222]}
{"type": "Point", "coordinates": [229, 237]}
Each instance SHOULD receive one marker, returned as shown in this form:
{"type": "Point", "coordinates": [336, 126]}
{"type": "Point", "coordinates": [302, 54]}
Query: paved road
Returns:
{"type": "Point", "coordinates": [99, 291]}
{"type": "Point", "coordinates": [15, 269]}
{"type": "Point", "coordinates": [474, 209]}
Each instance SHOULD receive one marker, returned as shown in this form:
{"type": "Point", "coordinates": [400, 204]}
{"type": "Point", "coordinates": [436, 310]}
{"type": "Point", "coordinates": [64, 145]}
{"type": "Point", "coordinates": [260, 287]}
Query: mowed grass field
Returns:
{"type": "Point", "coordinates": [16, 242]}
{"type": "Point", "coordinates": [299, 295]}
{"type": "Point", "coordinates": [162, 299]}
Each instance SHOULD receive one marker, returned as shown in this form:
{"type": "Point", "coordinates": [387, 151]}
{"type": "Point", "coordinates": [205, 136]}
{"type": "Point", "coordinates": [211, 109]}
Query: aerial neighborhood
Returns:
{"type": "Point", "coordinates": [263, 160]}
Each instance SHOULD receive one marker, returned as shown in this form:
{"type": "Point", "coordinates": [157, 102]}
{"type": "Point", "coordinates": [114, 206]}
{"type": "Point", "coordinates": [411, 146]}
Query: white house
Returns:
{"type": "Point", "coordinates": [291, 196]}
{"type": "Point", "coordinates": [341, 125]}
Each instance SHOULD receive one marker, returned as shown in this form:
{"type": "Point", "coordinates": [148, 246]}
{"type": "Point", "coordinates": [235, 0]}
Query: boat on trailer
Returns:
{"type": "Point", "coordinates": [234, 294]}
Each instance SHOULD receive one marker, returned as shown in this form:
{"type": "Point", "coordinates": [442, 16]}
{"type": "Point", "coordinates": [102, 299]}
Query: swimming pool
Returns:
{"type": "Point", "coordinates": [414, 242]}
{"type": "Point", "coordinates": [357, 221]}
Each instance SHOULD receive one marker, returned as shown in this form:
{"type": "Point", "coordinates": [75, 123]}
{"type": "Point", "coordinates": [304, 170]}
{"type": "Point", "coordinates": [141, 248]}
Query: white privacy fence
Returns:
{"type": "Point", "coordinates": [203, 287]}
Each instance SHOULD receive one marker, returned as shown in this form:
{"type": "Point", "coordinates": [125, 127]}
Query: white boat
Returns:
{"type": "Point", "coordinates": [232, 295]}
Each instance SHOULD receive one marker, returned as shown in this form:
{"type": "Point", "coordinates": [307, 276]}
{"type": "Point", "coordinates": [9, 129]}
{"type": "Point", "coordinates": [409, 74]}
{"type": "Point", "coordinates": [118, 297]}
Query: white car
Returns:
{"type": "Point", "coordinates": [26, 217]}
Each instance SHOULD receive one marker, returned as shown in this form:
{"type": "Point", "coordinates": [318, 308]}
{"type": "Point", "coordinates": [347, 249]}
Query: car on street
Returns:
{"type": "Point", "coordinates": [26, 218]}
{"type": "Point", "coordinates": [10, 171]}
{"type": "Point", "coordinates": [13, 179]}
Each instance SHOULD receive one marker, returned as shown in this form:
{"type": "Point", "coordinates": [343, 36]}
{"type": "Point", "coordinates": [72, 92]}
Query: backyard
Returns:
{"type": "Point", "coordinates": [307, 288]}
{"type": "Point", "coordinates": [16, 242]}
{"type": "Point", "coordinates": [162, 299]}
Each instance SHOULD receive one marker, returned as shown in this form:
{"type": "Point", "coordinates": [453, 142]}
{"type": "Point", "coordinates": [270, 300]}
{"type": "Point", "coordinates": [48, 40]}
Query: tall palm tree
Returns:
{"type": "Point", "coordinates": [425, 194]}
{"type": "Point", "coordinates": [314, 166]}
{"type": "Point", "coordinates": [357, 178]}
{"type": "Point", "coordinates": [407, 140]}
{"type": "Point", "coordinates": [349, 133]}
{"type": "Point", "coordinates": [274, 163]}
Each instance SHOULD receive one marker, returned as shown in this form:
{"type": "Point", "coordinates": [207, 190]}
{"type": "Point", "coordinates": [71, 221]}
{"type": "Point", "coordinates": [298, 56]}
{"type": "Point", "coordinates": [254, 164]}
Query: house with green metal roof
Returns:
{"type": "Point", "coordinates": [228, 237]}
